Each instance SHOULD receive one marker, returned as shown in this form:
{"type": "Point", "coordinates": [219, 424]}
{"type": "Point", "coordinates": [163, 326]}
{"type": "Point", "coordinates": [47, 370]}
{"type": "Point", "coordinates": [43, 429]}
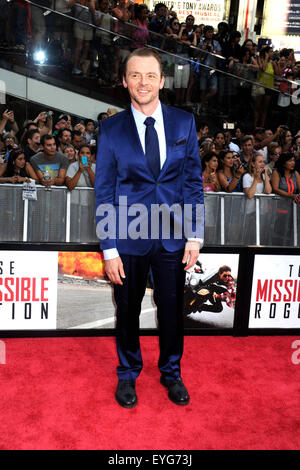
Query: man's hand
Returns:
{"type": "Point", "coordinates": [115, 271]}
{"type": "Point", "coordinates": [47, 183]}
{"type": "Point", "coordinates": [191, 254]}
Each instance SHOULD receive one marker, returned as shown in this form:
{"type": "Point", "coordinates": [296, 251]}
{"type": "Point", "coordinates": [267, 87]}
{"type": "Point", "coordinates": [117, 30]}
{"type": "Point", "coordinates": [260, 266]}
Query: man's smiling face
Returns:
{"type": "Point", "coordinates": [144, 81]}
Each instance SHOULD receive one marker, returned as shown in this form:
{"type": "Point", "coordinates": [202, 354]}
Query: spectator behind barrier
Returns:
{"type": "Point", "coordinates": [141, 34]}
{"type": "Point", "coordinates": [285, 140]}
{"type": "Point", "coordinates": [89, 131]}
{"type": "Point", "coordinates": [32, 140]}
{"type": "Point", "coordinates": [83, 33]}
{"type": "Point", "coordinates": [78, 139]}
{"type": "Point", "coordinates": [44, 122]}
{"type": "Point", "coordinates": [208, 76]}
{"type": "Point", "coordinates": [8, 123]}
{"type": "Point", "coordinates": [209, 172]}
{"type": "Point", "coordinates": [10, 141]}
{"type": "Point", "coordinates": [61, 123]}
{"type": "Point", "coordinates": [82, 172]}
{"type": "Point", "coordinates": [247, 150]}
{"type": "Point", "coordinates": [103, 42]}
{"type": "Point", "coordinates": [16, 169]}
{"type": "Point", "coordinates": [206, 146]}
{"type": "Point", "coordinates": [219, 141]}
{"type": "Point", "coordinates": [285, 180]}
{"type": "Point", "coordinates": [273, 156]}
{"type": "Point", "coordinates": [256, 181]}
{"type": "Point", "coordinates": [50, 165]}
{"type": "Point", "coordinates": [229, 177]}
{"type": "Point", "coordinates": [64, 137]}
{"type": "Point", "coordinates": [70, 153]}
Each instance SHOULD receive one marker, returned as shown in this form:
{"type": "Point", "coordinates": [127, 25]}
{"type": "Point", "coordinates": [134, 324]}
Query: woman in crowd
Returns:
{"type": "Point", "coordinates": [10, 141]}
{"type": "Point", "coordinates": [219, 141]}
{"type": "Point", "coordinates": [82, 32]}
{"type": "Point", "coordinates": [285, 140]}
{"type": "Point", "coordinates": [256, 181]}
{"type": "Point", "coordinates": [206, 146]}
{"type": "Point", "coordinates": [186, 38]}
{"type": "Point", "coordinates": [263, 94]}
{"type": "Point", "coordinates": [246, 68]}
{"type": "Point", "coordinates": [248, 44]}
{"type": "Point", "coordinates": [238, 135]}
{"type": "Point", "coordinates": [209, 174]}
{"type": "Point", "coordinates": [70, 152]}
{"type": "Point", "coordinates": [285, 180]}
{"type": "Point", "coordinates": [16, 169]}
{"type": "Point", "coordinates": [122, 14]}
{"type": "Point", "coordinates": [44, 122]}
{"type": "Point", "coordinates": [82, 172]}
{"type": "Point", "coordinates": [273, 156]}
{"type": "Point", "coordinates": [171, 45]}
{"type": "Point", "coordinates": [141, 33]}
{"type": "Point", "coordinates": [229, 177]}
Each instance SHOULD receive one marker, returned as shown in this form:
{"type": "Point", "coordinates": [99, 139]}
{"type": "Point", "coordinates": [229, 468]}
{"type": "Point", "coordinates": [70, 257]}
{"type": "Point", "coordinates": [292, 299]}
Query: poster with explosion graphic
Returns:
{"type": "Point", "coordinates": [83, 293]}
{"type": "Point", "coordinates": [85, 297]}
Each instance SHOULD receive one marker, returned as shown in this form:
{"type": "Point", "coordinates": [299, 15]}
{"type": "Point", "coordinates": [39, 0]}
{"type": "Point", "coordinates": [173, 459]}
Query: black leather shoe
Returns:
{"type": "Point", "coordinates": [125, 393]}
{"type": "Point", "coordinates": [178, 394]}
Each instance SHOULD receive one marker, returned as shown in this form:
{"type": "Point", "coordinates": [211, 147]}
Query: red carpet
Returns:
{"type": "Point", "coordinates": [58, 393]}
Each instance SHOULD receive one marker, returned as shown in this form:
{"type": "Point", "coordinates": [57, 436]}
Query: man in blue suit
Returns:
{"type": "Point", "coordinates": [147, 158]}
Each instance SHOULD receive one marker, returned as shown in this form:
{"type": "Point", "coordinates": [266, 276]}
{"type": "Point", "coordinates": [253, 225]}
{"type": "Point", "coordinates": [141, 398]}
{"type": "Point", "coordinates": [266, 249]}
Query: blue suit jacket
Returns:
{"type": "Point", "coordinates": [124, 180]}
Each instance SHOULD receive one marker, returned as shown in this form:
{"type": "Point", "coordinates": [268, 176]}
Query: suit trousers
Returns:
{"type": "Point", "coordinates": [168, 278]}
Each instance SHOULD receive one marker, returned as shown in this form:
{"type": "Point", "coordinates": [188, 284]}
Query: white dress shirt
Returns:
{"type": "Point", "coordinates": [139, 119]}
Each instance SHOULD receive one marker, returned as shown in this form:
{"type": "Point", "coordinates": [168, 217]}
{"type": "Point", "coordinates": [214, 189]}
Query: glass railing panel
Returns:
{"type": "Point", "coordinates": [47, 216]}
{"type": "Point", "coordinates": [276, 218]}
{"type": "Point", "coordinates": [212, 219]}
{"type": "Point", "coordinates": [82, 217]}
{"type": "Point", "coordinates": [238, 215]}
{"type": "Point", "coordinates": [12, 213]}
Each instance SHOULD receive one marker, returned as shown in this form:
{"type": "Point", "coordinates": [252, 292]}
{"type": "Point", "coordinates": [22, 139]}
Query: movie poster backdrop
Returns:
{"type": "Point", "coordinates": [45, 290]}
{"type": "Point", "coordinates": [275, 298]}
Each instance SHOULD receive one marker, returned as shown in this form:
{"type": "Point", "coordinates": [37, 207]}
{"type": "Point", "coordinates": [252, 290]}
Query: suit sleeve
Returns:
{"type": "Point", "coordinates": [105, 184]}
{"type": "Point", "coordinates": [193, 188]}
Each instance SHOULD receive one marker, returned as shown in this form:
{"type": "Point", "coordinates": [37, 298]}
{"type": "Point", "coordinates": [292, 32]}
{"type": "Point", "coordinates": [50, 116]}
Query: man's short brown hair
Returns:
{"type": "Point", "coordinates": [144, 52]}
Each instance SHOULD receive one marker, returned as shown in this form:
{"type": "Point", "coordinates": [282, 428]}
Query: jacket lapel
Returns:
{"type": "Point", "coordinates": [171, 132]}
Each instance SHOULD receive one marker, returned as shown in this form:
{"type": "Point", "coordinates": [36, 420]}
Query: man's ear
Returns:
{"type": "Point", "coordinates": [162, 82]}
{"type": "Point", "coordinates": [124, 82]}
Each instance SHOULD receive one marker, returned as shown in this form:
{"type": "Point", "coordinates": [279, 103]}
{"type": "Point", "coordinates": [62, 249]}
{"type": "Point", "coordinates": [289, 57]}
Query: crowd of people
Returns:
{"type": "Point", "coordinates": [205, 69]}
{"type": "Point", "coordinates": [49, 152]}
{"type": "Point", "coordinates": [263, 162]}
{"type": "Point", "coordinates": [62, 152]}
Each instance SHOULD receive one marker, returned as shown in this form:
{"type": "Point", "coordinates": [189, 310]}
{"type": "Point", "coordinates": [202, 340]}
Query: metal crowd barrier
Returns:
{"type": "Point", "coordinates": [59, 215]}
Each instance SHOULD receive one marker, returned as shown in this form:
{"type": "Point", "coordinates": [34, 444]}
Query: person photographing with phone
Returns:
{"type": "Point", "coordinates": [82, 172]}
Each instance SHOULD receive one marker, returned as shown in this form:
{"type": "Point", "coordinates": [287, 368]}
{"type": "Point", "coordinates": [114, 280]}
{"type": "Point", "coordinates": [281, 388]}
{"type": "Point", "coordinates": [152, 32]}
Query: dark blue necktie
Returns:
{"type": "Point", "coordinates": [152, 147]}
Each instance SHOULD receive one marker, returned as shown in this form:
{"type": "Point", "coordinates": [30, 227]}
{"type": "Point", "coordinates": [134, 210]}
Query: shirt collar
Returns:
{"type": "Point", "coordinates": [140, 117]}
